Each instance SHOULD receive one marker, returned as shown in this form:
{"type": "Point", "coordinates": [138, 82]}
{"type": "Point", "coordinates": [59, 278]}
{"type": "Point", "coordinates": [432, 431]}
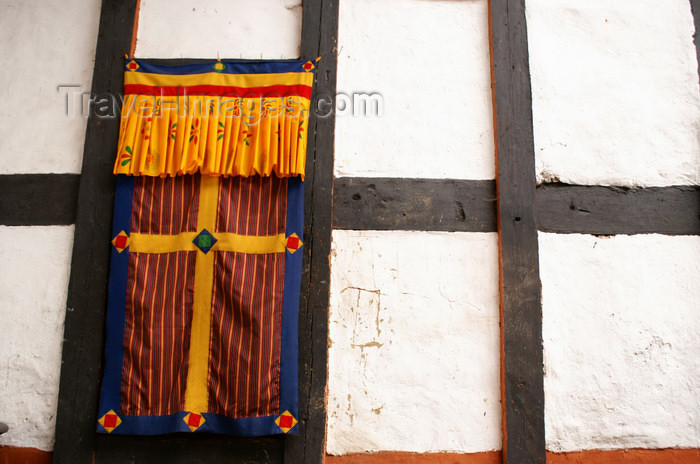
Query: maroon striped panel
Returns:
{"type": "Point", "coordinates": [253, 205]}
{"type": "Point", "coordinates": [165, 205]}
{"type": "Point", "coordinates": [157, 332]}
{"type": "Point", "coordinates": [245, 334]}
{"type": "Point", "coordinates": [247, 301]}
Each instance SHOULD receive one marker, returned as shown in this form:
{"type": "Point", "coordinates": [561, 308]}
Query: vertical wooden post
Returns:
{"type": "Point", "coordinates": [87, 290]}
{"type": "Point", "coordinates": [319, 37]}
{"type": "Point", "coordinates": [522, 391]}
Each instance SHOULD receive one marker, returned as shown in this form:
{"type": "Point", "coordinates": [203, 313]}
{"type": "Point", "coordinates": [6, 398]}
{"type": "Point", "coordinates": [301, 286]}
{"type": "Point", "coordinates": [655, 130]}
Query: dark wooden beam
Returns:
{"type": "Point", "coordinates": [521, 308]}
{"type": "Point", "coordinates": [38, 199]}
{"type": "Point", "coordinates": [87, 290]}
{"type": "Point", "coordinates": [187, 449]}
{"type": "Point", "coordinates": [584, 209]}
{"type": "Point", "coordinates": [455, 205]}
{"type": "Point", "coordinates": [365, 203]}
{"type": "Point", "coordinates": [319, 37]}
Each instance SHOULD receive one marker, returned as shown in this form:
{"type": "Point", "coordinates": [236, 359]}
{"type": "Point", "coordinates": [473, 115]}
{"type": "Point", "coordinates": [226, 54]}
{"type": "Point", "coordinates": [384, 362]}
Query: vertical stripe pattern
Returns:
{"type": "Point", "coordinates": [247, 302]}
{"type": "Point", "coordinates": [156, 337]}
{"type": "Point", "coordinates": [158, 308]}
{"type": "Point", "coordinates": [166, 205]}
{"type": "Point", "coordinates": [252, 205]}
{"type": "Point", "coordinates": [245, 334]}
{"type": "Point", "coordinates": [242, 376]}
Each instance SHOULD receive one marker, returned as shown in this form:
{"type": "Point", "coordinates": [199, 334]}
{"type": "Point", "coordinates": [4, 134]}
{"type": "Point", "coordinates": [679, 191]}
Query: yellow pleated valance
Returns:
{"type": "Point", "coordinates": [220, 118]}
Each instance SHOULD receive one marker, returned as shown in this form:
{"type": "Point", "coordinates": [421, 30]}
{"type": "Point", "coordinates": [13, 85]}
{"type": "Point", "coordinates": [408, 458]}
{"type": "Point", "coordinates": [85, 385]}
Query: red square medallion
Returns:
{"type": "Point", "coordinates": [110, 421]}
{"type": "Point", "coordinates": [194, 419]}
{"type": "Point", "coordinates": [120, 241]}
{"type": "Point", "coordinates": [286, 421]}
{"type": "Point", "coordinates": [293, 243]}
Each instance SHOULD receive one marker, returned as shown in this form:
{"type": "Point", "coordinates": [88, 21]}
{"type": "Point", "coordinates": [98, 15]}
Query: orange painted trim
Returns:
{"type": "Point", "coordinates": [627, 456]}
{"type": "Point", "coordinates": [14, 455]}
{"type": "Point", "coordinates": [504, 423]}
{"type": "Point", "coordinates": [135, 30]}
{"type": "Point", "coordinates": [400, 457]}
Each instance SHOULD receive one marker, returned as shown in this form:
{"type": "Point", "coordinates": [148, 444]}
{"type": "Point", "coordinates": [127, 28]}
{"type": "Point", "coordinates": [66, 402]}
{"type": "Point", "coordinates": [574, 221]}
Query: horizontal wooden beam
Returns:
{"type": "Point", "coordinates": [187, 448]}
{"type": "Point", "coordinates": [368, 203]}
{"type": "Point", "coordinates": [364, 203]}
{"type": "Point", "coordinates": [38, 199]}
{"type": "Point", "coordinates": [580, 209]}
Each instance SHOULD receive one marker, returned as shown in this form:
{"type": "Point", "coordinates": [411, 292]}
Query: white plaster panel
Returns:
{"type": "Point", "coordinates": [621, 318]}
{"type": "Point", "coordinates": [413, 342]}
{"type": "Point", "coordinates": [44, 44]}
{"type": "Point", "coordinates": [429, 61]}
{"type": "Point", "coordinates": [268, 29]}
{"type": "Point", "coordinates": [33, 288]}
{"type": "Point", "coordinates": [615, 92]}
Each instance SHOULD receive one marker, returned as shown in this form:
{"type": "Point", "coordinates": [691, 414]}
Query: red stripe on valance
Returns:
{"type": "Point", "coordinates": [303, 91]}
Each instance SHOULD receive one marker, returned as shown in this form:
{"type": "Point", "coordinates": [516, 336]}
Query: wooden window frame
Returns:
{"type": "Point", "coordinates": [76, 439]}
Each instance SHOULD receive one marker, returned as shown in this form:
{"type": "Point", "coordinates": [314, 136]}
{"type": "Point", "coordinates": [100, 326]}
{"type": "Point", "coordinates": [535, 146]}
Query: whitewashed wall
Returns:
{"type": "Point", "coordinates": [615, 91]}
{"type": "Point", "coordinates": [43, 44]}
{"type": "Point", "coordinates": [414, 315]}
{"type": "Point", "coordinates": [429, 61]}
{"type": "Point", "coordinates": [616, 102]}
{"type": "Point", "coordinates": [33, 287]}
{"type": "Point", "coordinates": [413, 342]}
{"type": "Point", "coordinates": [621, 346]}
{"type": "Point", "coordinates": [220, 28]}
{"type": "Point", "coordinates": [414, 337]}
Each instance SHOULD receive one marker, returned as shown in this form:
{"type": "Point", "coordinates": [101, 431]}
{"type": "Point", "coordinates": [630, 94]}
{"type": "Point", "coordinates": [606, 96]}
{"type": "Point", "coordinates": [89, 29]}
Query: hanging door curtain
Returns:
{"type": "Point", "coordinates": [205, 272]}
